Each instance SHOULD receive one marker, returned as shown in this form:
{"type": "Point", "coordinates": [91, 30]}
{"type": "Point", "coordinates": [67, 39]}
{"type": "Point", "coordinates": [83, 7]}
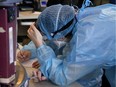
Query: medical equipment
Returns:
{"type": "Point", "coordinates": [7, 43]}
{"type": "Point", "coordinates": [22, 78]}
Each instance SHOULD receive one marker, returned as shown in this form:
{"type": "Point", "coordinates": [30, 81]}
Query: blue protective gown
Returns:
{"type": "Point", "coordinates": [91, 49]}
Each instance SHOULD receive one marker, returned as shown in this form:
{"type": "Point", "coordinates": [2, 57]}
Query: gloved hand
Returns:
{"type": "Point", "coordinates": [39, 75]}
{"type": "Point", "coordinates": [23, 55]}
{"type": "Point", "coordinates": [35, 35]}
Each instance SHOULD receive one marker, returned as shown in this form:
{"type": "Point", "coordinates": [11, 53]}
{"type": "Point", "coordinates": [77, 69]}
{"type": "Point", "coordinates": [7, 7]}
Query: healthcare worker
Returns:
{"type": "Point", "coordinates": [91, 48]}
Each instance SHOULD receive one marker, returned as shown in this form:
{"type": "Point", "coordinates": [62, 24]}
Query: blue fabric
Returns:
{"type": "Point", "coordinates": [32, 48]}
{"type": "Point", "coordinates": [91, 48]}
{"type": "Point", "coordinates": [53, 18]}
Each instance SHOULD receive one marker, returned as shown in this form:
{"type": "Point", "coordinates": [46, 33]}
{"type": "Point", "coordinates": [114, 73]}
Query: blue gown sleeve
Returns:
{"type": "Point", "coordinates": [31, 47]}
{"type": "Point", "coordinates": [62, 72]}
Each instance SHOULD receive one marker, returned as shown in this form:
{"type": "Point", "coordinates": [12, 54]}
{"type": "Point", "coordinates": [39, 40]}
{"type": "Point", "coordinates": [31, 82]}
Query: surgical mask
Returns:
{"type": "Point", "coordinates": [60, 43]}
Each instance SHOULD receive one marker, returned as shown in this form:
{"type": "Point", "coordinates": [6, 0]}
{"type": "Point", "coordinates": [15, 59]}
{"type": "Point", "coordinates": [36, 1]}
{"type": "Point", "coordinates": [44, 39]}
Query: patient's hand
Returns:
{"type": "Point", "coordinates": [23, 55]}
